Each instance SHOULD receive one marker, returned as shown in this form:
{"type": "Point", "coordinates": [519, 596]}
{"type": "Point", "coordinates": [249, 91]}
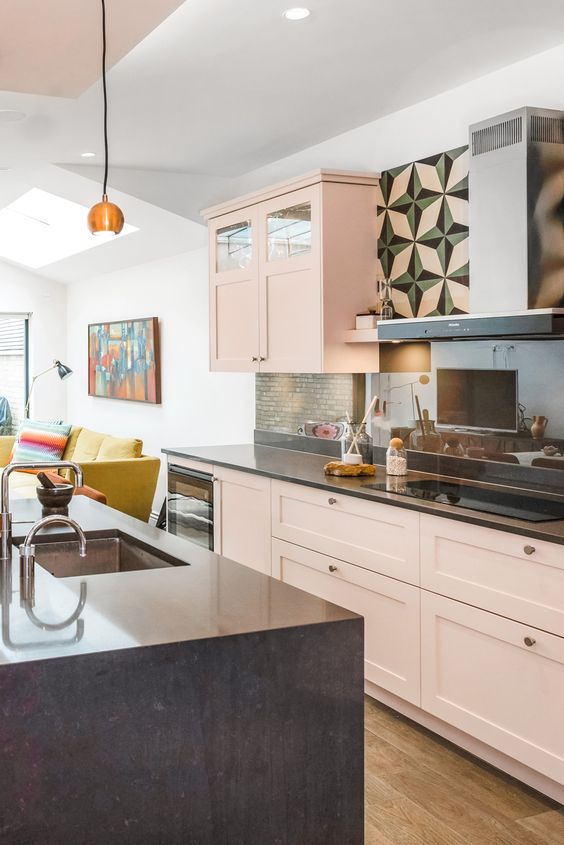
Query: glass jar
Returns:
{"type": "Point", "coordinates": [363, 442]}
{"type": "Point", "coordinates": [425, 439]}
{"type": "Point", "coordinates": [385, 296]}
{"type": "Point", "coordinates": [396, 457]}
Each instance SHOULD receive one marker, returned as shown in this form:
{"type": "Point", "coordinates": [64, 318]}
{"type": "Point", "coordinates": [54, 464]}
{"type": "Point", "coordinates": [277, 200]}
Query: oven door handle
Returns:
{"type": "Point", "coordinates": [174, 469]}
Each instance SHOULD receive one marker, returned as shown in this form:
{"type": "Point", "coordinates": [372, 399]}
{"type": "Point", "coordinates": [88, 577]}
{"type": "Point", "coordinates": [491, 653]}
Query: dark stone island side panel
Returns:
{"type": "Point", "coordinates": [247, 740]}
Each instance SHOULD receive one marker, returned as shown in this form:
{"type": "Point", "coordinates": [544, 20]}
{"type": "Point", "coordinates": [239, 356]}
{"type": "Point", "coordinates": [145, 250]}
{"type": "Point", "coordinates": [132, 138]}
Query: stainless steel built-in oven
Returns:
{"type": "Point", "coordinates": [190, 505]}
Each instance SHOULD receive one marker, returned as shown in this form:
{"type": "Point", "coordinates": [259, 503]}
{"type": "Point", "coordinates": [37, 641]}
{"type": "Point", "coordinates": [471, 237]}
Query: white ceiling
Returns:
{"type": "Point", "coordinates": [220, 88]}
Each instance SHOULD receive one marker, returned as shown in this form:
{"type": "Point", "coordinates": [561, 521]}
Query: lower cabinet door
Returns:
{"type": "Point", "coordinates": [390, 609]}
{"type": "Point", "coordinates": [498, 680]}
{"type": "Point", "coordinates": [242, 515]}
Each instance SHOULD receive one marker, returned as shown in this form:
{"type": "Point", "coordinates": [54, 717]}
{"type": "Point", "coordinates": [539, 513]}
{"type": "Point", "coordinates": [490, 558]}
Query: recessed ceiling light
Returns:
{"type": "Point", "coordinates": [11, 115]}
{"type": "Point", "coordinates": [297, 14]}
{"type": "Point", "coordinates": [87, 155]}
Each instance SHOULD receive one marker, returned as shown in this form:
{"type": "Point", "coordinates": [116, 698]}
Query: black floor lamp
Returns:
{"type": "Point", "coordinates": [63, 371]}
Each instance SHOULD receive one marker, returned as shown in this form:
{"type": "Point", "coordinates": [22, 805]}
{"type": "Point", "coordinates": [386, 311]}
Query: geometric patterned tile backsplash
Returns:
{"type": "Point", "coordinates": [423, 234]}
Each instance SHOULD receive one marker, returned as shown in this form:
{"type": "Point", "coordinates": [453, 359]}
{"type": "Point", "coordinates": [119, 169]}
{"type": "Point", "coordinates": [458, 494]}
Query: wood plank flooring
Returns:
{"type": "Point", "coordinates": [421, 790]}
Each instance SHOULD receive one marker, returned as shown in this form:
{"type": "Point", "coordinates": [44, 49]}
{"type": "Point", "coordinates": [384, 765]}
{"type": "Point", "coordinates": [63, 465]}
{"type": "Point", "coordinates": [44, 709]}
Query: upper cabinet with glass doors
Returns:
{"type": "Point", "coordinates": [290, 267]}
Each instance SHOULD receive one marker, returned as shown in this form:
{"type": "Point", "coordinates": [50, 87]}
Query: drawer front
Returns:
{"type": "Point", "coordinates": [379, 537]}
{"type": "Point", "coordinates": [478, 674]}
{"type": "Point", "coordinates": [390, 609]}
{"type": "Point", "coordinates": [492, 570]}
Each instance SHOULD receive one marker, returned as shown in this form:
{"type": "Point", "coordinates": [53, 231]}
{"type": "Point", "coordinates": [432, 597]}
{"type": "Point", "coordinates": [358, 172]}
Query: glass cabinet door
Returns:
{"type": "Point", "coordinates": [289, 232]}
{"type": "Point", "coordinates": [234, 246]}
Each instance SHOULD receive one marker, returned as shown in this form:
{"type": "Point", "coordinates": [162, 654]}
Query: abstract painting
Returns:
{"type": "Point", "coordinates": [124, 360]}
{"type": "Point", "coordinates": [423, 234]}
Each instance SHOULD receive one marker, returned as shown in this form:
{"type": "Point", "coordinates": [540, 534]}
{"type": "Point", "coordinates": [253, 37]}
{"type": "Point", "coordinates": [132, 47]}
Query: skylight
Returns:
{"type": "Point", "coordinates": [40, 228]}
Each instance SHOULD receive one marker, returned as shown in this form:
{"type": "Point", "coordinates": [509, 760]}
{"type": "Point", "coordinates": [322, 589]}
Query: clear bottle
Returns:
{"type": "Point", "coordinates": [396, 457]}
{"type": "Point", "coordinates": [357, 432]}
{"type": "Point", "coordinates": [364, 443]}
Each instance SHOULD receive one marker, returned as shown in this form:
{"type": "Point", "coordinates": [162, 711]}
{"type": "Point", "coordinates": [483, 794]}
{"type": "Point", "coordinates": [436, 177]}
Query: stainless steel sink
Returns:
{"type": "Point", "coordinates": [111, 551]}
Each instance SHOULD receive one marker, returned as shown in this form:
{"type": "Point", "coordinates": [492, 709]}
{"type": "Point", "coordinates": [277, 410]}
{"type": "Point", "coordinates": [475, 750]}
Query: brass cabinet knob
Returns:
{"type": "Point", "coordinates": [332, 501]}
{"type": "Point", "coordinates": [529, 641]}
{"type": "Point", "coordinates": [529, 550]}
{"type": "Point", "coordinates": [333, 568]}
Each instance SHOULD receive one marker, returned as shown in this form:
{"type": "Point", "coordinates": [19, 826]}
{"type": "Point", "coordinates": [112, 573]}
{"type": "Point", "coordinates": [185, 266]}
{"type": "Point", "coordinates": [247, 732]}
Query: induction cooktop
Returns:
{"type": "Point", "coordinates": [522, 505]}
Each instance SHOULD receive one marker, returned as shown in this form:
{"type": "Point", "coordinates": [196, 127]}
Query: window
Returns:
{"type": "Point", "coordinates": [13, 370]}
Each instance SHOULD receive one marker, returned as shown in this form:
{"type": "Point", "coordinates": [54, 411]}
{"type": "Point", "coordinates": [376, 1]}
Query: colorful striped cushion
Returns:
{"type": "Point", "coordinates": [40, 442]}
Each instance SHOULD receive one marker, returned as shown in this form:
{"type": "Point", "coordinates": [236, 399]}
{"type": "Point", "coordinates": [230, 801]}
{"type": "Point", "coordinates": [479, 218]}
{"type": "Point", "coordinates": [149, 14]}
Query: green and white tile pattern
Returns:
{"type": "Point", "coordinates": [423, 234]}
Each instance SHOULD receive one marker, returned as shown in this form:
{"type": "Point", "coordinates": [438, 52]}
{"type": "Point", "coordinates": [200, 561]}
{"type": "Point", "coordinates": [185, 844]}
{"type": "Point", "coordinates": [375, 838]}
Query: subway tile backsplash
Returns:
{"type": "Point", "coordinates": [285, 400]}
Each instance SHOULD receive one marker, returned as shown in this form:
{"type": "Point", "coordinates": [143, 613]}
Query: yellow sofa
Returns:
{"type": "Point", "coordinates": [112, 465]}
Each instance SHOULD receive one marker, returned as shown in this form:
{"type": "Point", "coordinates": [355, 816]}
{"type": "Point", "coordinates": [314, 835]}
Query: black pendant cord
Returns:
{"type": "Point", "coordinates": [105, 97]}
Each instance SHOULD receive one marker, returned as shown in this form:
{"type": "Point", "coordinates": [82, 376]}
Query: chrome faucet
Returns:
{"type": "Point", "coordinates": [6, 516]}
{"type": "Point", "coordinates": [27, 553]}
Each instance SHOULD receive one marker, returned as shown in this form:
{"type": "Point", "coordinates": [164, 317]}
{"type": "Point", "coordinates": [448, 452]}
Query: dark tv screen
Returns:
{"type": "Point", "coordinates": [480, 399]}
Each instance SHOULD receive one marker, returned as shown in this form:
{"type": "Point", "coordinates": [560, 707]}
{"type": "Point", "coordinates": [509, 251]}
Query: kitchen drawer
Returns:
{"type": "Point", "coordinates": [478, 674]}
{"type": "Point", "coordinates": [492, 570]}
{"type": "Point", "coordinates": [390, 609]}
{"type": "Point", "coordinates": [379, 537]}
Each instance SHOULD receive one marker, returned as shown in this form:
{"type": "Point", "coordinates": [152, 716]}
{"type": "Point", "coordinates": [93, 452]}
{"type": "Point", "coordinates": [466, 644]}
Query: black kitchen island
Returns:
{"type": "Point", "coordinates": [197, 704]}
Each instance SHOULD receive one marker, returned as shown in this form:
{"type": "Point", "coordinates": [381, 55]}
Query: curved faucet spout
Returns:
{"type": "Point", "coordinates": [27, 553]}
{"type": "Point", "coordinates": [57, 519]}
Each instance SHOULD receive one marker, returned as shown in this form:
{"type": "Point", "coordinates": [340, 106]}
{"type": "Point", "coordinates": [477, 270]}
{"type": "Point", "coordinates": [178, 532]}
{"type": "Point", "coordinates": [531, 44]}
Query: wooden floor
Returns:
{"type": "Point", "coordinates": [421, 790]}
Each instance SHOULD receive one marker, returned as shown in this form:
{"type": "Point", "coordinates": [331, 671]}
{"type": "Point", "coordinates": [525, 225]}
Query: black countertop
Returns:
{"type": "Point", "coordinates": [211, 597]}
{"type": "Point", "coordinates": [305, 468]}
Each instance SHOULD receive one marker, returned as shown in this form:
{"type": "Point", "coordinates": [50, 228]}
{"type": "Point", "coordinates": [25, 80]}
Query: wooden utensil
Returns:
{"type": "Point", "coordinates": [45, 481]}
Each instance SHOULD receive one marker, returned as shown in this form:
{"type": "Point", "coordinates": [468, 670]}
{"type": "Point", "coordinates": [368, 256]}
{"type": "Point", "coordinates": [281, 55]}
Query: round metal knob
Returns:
{"type": "Point", "coordinates": [529, 550]}
{"type": "Point", "coordinates": [254, 358]}
{"type": "Point", "coordinates": [261, 358]}
{"type": "Point", "coordinates": [332, 501]}
{"type": "Point", "coordinates": [333, 568]}
{"type": "Point", "coordinates": [529, 641]}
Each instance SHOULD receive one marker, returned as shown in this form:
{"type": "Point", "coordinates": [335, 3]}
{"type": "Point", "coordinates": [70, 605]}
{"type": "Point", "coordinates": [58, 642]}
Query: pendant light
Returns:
{"type": "Point", "coordinates": [105, 218]}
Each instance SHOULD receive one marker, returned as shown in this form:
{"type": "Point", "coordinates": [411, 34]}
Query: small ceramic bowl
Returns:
{"type": "Point", "coordinates": [55, 498]}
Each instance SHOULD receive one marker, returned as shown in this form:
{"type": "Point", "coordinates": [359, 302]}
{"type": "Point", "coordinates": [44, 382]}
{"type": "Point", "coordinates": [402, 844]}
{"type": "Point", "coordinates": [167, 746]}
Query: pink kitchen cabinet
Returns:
{"type": "Point", "coordinates": [290, 267]}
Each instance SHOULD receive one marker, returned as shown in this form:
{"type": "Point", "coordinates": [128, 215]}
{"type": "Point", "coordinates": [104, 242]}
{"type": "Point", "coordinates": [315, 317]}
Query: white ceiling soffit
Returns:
{"type": "Point", "coordinates": [182, 193]}
{"type": "Point", "coordinates": [53, 47]}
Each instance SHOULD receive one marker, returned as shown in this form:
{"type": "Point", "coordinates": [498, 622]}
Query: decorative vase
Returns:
{"type": "Point", "coordinates": [538, 427]}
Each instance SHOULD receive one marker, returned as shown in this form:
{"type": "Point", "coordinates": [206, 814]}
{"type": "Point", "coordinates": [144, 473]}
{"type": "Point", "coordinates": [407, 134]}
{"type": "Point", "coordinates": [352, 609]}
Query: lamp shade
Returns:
{"type": "Point", "coordinates": [63, 370]}
{"type": "Point", "coordinates": [105, 218]}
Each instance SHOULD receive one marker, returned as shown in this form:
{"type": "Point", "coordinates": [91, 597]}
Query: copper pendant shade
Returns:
{"type": "Point", "coordinates": [105, 217]}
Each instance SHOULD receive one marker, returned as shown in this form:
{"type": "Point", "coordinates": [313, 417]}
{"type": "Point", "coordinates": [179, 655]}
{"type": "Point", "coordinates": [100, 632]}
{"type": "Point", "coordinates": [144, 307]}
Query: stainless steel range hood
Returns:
{"type": "Point", "coordinates": [516, 234]}
{"type": "Point", "coordinates": [537, 324]}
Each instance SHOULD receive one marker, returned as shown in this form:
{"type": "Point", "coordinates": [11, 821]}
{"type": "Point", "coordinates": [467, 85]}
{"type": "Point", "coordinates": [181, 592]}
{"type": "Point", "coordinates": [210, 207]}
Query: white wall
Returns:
{"type": "Point", "coordinates": [431, 126]}
{"type": "Point", "coordinates": [24, 292]}
{"type": "Point", "coordinates": [198, 407]}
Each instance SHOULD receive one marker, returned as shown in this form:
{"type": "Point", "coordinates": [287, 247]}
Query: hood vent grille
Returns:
{"type": "Point", "coordinates": [547, 130]}
{"type": "Point", "coordinates": [497, 136]}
